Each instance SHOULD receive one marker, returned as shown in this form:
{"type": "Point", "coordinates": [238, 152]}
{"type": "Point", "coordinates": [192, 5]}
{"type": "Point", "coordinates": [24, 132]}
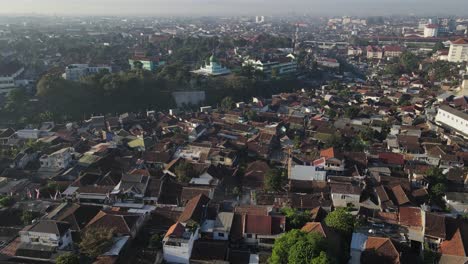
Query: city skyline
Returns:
{"type": "Point", "coordinates": [237, 7]}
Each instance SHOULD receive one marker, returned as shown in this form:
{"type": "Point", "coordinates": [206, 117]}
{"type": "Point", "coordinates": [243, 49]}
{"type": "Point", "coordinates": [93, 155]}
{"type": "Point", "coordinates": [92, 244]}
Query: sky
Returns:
{"type": "Point", "coordinates": [234, 7]}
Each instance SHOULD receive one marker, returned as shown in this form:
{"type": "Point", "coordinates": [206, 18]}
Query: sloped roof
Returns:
{"type": "Point", "coordinates": [400, 195]}
{"type": "Point", "coordinates": [460, 41]}
{"type": "Point", "coordinates": [122, 222]}
{"type": "Point", "coordinates": [410, 216]}
{"type": "Point", "coordinates": [384, 249]}
{"type": "Point", "coordinates": [454, 246]}
{"type": "Point", "coordinates": [194, 209]}
{"type": "Point", "coordinates": [49, 227]}
{"type": "Point", "coordinates": [435, 225]}
{"type": "Point", "coordinates": [176, 230]}
{"type": "Point", "coordinates": [258, 224]}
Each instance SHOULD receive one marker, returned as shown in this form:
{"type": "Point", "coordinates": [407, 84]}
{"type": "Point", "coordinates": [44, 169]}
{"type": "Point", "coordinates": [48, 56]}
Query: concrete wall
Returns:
{"type": "Point", "coordinates": [189, 97]}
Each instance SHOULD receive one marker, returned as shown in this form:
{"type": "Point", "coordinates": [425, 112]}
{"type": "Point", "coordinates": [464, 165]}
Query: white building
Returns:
{"type": "Point", "coordinates": [8, 74]}
{"type": "Point", "coordinates": [212, 68]}
{"type": "Point", "coordinates": [220, 228]}
{"type": "Point", "coordinates": [60, 159]}
{"type": "Point", "coordinates": [306, 173]}
{"type": "Point", "coordinates": [74, 72]}
{"type": "Point", "coordinates": [458, 51]}
{"type": "Point", "coordinates": [284, 66]}
{"type": "Point", "coordinates": [454, 119]}
{"type": "Point", "coordinates": [343, 194]}
{"type": "Point", "coordinates": [47, 233]}
{"type": "Point", "coordinates": [178, 243]}
{"type": "Point", "coordinates": [431, 30]}
{"type": "Point", "coordinates": [259, 19]}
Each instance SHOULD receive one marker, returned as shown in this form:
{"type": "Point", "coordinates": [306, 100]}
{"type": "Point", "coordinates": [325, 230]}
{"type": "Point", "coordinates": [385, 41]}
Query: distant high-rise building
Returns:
{"type": "Point", "coordinates": [458, 51]}
{"type": "Point", "coordinates": [431, 30]}
{"type": "Point", "coordinates": [259, 19]}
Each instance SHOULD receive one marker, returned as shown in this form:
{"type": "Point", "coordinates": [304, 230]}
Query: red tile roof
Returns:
{"type": "Point", "coordinates": [257, 224]}
{"type": "Point", "coordinates": [454, 246]}
{"type": "Point", "coordinates": [383, 247]}
{"type": "Point", "coordinates": [410, 216]}
{"type": "Point", "coordinates": [460, 41]}
{"type": "Point", "coordinates": [194, 209]}
{"type": "Point", "coordinates": [176, 230]}
{"type": "Point", "coordinates": [328, 153]}
{"type": "Point", "coordinates": [400, 195]}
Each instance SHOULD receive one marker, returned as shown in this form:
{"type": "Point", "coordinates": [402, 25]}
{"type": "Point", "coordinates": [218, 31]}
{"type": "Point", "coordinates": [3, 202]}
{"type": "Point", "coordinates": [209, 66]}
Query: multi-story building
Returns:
{"type": "Point", "coordinates": [178, 243]}
{"type": "Point", "coordinates": [454, 119]}
{"type": "Point", "coordinates": [75, 72]}
{"type": "Point", "coordinates": [146, 63]}
{"type": "Point", "coordinates": [282, 66]}
{"type": "Point", "coordinates": [392, 51]}
{"type": "Point", "coordinates": [60, 159]}
{"type": "Point", "coordinates": [431, 30]}
{"type": "Point", "coordinates": [354, 51]}
{"type": "Point", "coordinates": [374, 52]}
{"type": "Point", "coordinates": [8, 74]}
{"type": "Point", "coordinates": [47, 233]}
{"type": "Point", "coordinates": [458, 51]}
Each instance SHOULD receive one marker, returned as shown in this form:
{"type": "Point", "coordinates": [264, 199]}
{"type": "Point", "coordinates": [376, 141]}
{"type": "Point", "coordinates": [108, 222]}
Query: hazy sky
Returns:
{"type": "Point", "coordinates": [235, 7]}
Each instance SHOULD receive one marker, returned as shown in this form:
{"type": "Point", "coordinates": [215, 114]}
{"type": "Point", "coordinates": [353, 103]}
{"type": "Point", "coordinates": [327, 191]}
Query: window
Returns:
{"type": "Point", "coordinates": [221, 234]}
{"type": "Point", "coordinates": [249, 235]}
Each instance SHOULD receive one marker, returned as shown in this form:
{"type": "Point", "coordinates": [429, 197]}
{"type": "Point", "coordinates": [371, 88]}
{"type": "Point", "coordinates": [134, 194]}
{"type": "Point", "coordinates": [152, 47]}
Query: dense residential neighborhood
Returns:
{"type": "Point", "coordinates": [234, 140]}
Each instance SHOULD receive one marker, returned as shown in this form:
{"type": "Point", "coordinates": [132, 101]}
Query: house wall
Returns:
{"type": "Point", "coordinates": [458, 53]}
{"type": "Point", "coordinates": [445, 118]}
{"type": "Point", "coordinates": [341, 200]}
{"type": "Point", "coordinates": [46, 239]}
{"type": "Point", "coordinates": [182, 253]}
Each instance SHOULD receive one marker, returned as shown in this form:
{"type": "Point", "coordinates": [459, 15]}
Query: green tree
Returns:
{"type": "Point", "coordinates": [27, 217]}
{"type": "Point", "coordinates": [6, 201]}
{"type": "Point", "coordinates": [156, 241]}
{"type": "Point", "coordinates": [297, 141]}
{"type": "Point", "coordinates": [352, 112]}
{"type": "Point", "coordinates": [96, 241]}
{"type": "Point", "coordinates": [438, 46]}
{"type": "Point", "coordinates": [227, 104]}
{"type": "Point", "coordinates": [274, 180]}
{"type": "Point", "coordinates": [295, 219]}
{"type": "Point", "coordinates": [185, 171]}
{"type": "Point", "coordinates": [341, 220]}
{"type": "Point", "coordinates": [296, 246]}
{"type": "Point", "coordinates": [322, 259]}
{"type": "Point", "coordinates": [251, 115]}
{"type": "Point", "coordinates": [438, 189]}
{"type": "Point", "coordinates": [409, 61]}
{"type": "Point", "coordinates": [68, 258]}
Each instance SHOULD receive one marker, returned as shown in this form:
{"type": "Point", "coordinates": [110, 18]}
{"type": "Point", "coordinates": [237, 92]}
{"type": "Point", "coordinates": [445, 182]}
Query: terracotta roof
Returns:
{"type": "Point", "coordinates": [176, 230]}
{"type": "Point", "coordinates": [194, 210]}
{"type": "Point", "coordinates": [327, 153]}
{"type": "Point", "coordinates": [410, 216]}
{"type": "Point", "coordinates": [454, 246]}
{"type": "Point", "coordinates": [122, 222]}
{"type": "Point", "coordinates": [257, 224]}
{"type": "Point", "coordinates": [314, 227]}
{"type": "Point", "coordinates": [400, 195]}
{"type": "Point", "coordinates": [460, 41]}
{"type": "Point", "coordinates": [435, 225]}
{"type": "Point", "coordinates": [384, 249]}
{"type": "Point", "coordinates": [251, 210]}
